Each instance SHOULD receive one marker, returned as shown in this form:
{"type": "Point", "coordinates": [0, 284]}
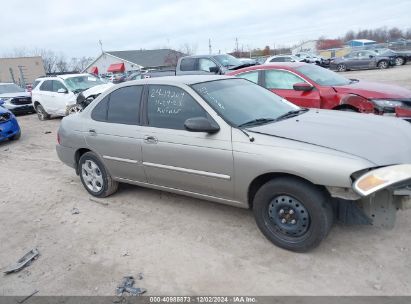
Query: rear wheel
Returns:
{"type": "Point", "coordinates": [293, 214]}
{"type": "Point", "coordinates": [41, 113]}
{"type": "Point", "coordinates": [383, 64]}
{"type": "Point", "coordinates": [399, 61]}
{"type": "Point", "coordinates": [94, 176]}
{"type": "Point", "coordinates": [341, 67]}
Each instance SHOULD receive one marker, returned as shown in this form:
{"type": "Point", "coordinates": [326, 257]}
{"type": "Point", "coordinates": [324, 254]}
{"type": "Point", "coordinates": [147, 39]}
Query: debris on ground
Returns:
{"type": "Point", "coordinates": [24, 261]}
{"type": "Point", "coordinates": [47, 132]}
{"type": "Point", "coordinates": [99, 202]}
{"type": "Point", "coordinates": [75, 211]}
{"type": "Point", "coordinates": [127, 286]}
{"type": "Point", "coordinates": [28, 297]}
{"type": "Point", "coordinates": [140, 276]}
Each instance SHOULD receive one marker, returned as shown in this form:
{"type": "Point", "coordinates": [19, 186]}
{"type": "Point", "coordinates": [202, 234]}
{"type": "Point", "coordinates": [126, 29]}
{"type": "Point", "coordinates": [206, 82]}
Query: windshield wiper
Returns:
{"type": "Point", "coordinates": [255, 122]}
{"type": "Point", "coordinates": [290, 114]}
{"type": "Point", "coordinates": [78, 91]}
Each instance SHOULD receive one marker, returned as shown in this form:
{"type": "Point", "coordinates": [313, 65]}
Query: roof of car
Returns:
{"type": "Point", "coordinates": [272, 65]}
{"type": "Point", "coordinates": [64, 76]}
{"type": "Point", "coordinates": [186, 79]}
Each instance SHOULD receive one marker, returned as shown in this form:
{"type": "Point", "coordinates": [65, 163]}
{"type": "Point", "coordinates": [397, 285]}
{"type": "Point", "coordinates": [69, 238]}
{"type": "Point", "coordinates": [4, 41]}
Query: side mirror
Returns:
{"type": "Point", "coordinates": [62, 91]}
{"type": "Point", "coordinates": [214, 69]}
{"type": "Point", "coordinates": [371, 56]}
{"type": "Point", "coordinates": [200, 124]}
{"type": "Point", "coordinates": [303, 86]}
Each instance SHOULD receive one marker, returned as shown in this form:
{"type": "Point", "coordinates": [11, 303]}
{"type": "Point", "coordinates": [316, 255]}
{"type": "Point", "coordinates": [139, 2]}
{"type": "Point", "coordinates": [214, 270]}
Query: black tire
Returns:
{"type": "Point", "coordinates": [41, 113]}
{"type": "Point", "coordinates": [383, 64]}
{"type": "Point", "coordinates": [15, 136]}
{"type": "Point", "coordinates": [311, 206]}
{"type": "Point", "coordinates": [348, 110]}
{"type": "Point", "coordinates": [108, 185]}
{"type": "Point", "coordinates": [341, 67]}
{"type": "Point", "coordinates": [399, 61]}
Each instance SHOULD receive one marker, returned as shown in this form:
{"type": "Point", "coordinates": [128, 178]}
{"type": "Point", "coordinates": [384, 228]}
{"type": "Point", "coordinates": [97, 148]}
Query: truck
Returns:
{"type": "Point", "coordinates": [201, 65]}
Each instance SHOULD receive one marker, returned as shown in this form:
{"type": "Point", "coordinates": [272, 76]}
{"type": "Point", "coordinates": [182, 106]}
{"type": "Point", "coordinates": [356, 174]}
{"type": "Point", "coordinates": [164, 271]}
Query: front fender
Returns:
{"type": "Point", "coordinates": [362, 104]}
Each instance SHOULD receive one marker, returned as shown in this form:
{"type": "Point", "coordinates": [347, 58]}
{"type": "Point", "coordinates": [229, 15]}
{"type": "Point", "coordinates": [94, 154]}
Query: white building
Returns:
{"type": "Point", "coordinates": [309, 46]}
{"type": "Point", "coordinates": [134, 60]}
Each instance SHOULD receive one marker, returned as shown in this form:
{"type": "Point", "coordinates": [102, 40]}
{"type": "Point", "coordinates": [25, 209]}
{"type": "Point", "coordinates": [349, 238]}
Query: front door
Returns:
{"type": "Point", "coordinates": [176, 158]}
{"type": "Point", "coordinates": [281, 82]}
{"type": "Point", "coordinates": [115, 135]}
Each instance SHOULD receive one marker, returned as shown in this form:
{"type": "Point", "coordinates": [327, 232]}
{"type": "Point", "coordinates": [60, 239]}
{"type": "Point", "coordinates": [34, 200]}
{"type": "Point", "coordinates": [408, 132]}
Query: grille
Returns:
{"type": "Point", "coordinates": [21, 100]}
{"type": "Point", "coordinates": [4, 117]}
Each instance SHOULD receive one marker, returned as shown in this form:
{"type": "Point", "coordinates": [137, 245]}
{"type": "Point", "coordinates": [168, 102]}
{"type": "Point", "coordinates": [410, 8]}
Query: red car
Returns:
{"type": "Point", "coordinates": [311, 86]}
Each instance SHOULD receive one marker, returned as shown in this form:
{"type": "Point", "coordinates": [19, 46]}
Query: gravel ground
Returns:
{"type": "Point", "coordinates": [183, 246]}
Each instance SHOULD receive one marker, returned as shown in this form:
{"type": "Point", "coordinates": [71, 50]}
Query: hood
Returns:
{"type": "Point", "coordinates": [374, 90]}
{"type": "Point", "coordinates": [96, 90]}
{"type": "Point", "coordinates": [380, 140]}
{"type": "Point", "coordinates": [17, 94]}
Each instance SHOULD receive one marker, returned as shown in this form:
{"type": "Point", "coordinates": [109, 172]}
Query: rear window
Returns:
{"type": "Point", "coordinates": [187, 64]}
{"type": "Point", "coordinates": [47, 85]}
{"type": "Point", "coordinates": [124, 105]}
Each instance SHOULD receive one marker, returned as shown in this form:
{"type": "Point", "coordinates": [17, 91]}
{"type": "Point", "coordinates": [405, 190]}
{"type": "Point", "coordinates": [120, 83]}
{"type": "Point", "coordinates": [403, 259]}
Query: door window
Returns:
{"type": "Point", "coordinates": [252, 76]}
{"type": "Point", "coordinates": [275, 79]}
{"type": "Point", "coordinates": [99, 112]}
{"type": "Point", "coordinates": [46, 86]}
{"type": "Point", "coordinates": [124, 105]}
{"type": "Point", "coordinates": [205, 64]}
{"type": "Point", "coordinates": [187, 64]}
{"type": "Point", "coordinates": [169, 107]}
{"type": "Point", "coordinates": [57, 85]}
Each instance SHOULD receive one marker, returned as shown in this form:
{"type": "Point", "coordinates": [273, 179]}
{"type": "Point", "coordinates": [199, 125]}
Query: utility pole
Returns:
{"type": "Point", "coordinates": [209, 46]}
{"type": "Point", "coordinates": [236, 45]}
{"type": "Point", "coordinates": [101, 46]}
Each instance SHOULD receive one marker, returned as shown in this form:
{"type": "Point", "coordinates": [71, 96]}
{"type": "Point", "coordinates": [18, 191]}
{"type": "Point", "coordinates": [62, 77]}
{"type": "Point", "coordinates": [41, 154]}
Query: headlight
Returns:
{"type": "Point", "coordinates": [381, 178]}
{"type": "Point", "coordinates": [386, 103]}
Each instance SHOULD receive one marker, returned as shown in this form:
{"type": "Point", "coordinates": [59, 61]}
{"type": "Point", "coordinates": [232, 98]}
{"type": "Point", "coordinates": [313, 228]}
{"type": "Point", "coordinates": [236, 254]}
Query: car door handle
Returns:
{"type": "Point", "coordinates": [92, 132]}
{"type": "Point", "coordinates": [150, 139]}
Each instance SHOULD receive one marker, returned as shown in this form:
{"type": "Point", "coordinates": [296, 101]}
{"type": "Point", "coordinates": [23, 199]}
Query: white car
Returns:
{"type": "Point", "coordinates": [309, 58]}
{"type": "Point", "coordinates": [58, 94]}
{"type": "Point", "coordinates": [283, 58]}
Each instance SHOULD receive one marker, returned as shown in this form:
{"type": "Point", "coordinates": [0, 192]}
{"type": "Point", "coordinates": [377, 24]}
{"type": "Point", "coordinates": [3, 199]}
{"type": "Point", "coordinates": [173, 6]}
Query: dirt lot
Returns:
{"type": "Point", "coordinates": [182, 245]}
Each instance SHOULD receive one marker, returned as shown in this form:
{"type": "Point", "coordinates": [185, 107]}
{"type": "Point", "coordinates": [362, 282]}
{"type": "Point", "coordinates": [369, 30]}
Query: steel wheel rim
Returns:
{"type": "Point", "coordinates": [341, 68]}
{"type": "Point", "coordinates": [383, 65]}
{"type": "Point", "coordinates": [92, 176]}
{"type": "Point", "coordinates": [288, 216]}
{"type": "Point", "coordinates": [398, 61]}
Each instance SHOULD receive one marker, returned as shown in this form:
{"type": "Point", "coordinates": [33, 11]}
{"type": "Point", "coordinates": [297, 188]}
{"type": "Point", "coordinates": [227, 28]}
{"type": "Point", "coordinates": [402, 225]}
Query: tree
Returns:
{"type": "Point", "coordinates": [188, 49]}
{"type": "Point", "coordinates": [266, 51]}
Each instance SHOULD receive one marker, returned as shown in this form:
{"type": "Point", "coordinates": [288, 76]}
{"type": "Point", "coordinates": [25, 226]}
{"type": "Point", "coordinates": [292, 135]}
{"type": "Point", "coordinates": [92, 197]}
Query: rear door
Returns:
{"type": "Point", "coordinates": [281, 82]}
{"type": "Point", "coordinates": [45, 96]}
{"type": "Point", "coordinates": [175, 158]}
{"type": "Point", "coordinates": [114, 133]}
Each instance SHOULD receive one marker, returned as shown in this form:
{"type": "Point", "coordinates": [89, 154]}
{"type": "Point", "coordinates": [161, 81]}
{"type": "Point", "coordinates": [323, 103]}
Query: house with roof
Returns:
{"type": "Point", "coordinates": [133, 60]}
{"type": "Point", "coordinates": [360, 42]}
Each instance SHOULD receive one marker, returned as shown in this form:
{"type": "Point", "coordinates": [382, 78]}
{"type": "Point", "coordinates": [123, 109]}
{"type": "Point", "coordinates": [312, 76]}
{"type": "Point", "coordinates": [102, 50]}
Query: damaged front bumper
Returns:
{"type": "Point", "coordinates": [375, 197]}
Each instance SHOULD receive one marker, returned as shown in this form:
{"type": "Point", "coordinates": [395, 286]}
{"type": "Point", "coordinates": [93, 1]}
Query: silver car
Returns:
{"type": "Point", "coordinates": [231, 141]}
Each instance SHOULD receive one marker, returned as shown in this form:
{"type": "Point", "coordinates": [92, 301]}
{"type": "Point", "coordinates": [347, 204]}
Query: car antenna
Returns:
{"type": "Point", "coordinates": [250, 137]}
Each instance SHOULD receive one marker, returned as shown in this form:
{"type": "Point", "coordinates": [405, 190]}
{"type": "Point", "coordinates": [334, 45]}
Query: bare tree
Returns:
{"type": "Point", "coordinates": [188, 49]}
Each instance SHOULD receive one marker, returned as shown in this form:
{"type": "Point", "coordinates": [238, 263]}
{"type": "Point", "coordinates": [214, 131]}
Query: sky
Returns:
{"type": "Point", "coordinates": [75, 27]}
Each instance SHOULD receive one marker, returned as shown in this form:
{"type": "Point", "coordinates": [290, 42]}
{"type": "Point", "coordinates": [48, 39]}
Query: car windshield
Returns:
{"type": "Point", "coordinates": [81, 83]}
{"type": "Point", "coordinates": [10, 88]}
{"type": "Point", "coordinates": [240, 101]}
{"type": "Point", "coordinates": [322, 76]}
{"type": "Point", "coordinates": [228, 60]}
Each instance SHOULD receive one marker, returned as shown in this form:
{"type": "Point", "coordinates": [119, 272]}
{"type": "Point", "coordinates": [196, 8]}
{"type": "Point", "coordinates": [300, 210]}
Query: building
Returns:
{"type": "Point", "coordinates": [21, 70]}
{"type": "Point", "coordinates": [309, 46]}
{"type": "Point", "coordinates": [360, 42]}
{"type": "Point", "coordinates": [134, 60]}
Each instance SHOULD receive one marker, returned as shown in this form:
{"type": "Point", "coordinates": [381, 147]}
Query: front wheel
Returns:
{"type": "Point", "coordinates": [341, 67]}
{"type": "Point", "coordinates": [383, 64]}
{"type": "Point", "coordinates": [293, 214]}
{"type": "Point", "coordinates": [399, 61]}
{"type": "Point", "coordinates": [95, 177]}
{"type": "Point", "coordinates": [41, 113]}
